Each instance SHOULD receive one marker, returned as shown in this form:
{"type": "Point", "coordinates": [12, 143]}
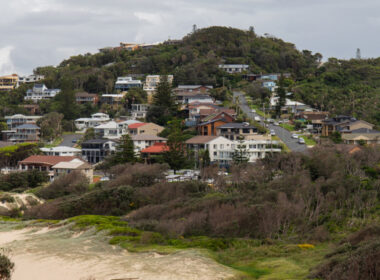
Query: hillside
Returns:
{"type": "Point", "coordinates": [338, 86]}
{"type": "Point", "coordinates": [194, 61]}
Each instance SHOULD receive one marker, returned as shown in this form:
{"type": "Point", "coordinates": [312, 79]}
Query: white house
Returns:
{"type": "Point", "coordinates": [29, 79]}
{"type": "Point", "coordinates": [66, 167]}
{"type": "Point", "coordinates": [113, 130]}
{"type": "Point", "coordinates": [257, 149]}
{"type": "Point", "coordinates": [95, 120]}
{"type": "Point", "coordinates": [143, 141]}
{"type": "Point", "coordinates": [123, 126]}
{"type": "Point", "coordinates": [220, 148]}
{"type": "Point", "coordinates": [61, 151]}
{"type": "Point", "coordinates": [234, 68]}
{"type": "Point", "coordinates": [40, 92]}
{"type": "Point", "coordinates": [126, 83]}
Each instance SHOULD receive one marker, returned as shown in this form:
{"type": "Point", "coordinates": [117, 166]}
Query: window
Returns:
{"type": "Point", "coordinates": [215, 153]}
{"type": "Point", "coordinates": [221, 146]}
{"type": "Point", "coordinates": [215, 146]}
{"type": "Point", "coordinates": [245, 130]}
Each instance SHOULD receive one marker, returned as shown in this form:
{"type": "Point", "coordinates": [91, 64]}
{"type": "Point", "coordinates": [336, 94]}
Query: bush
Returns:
{"type": "Point", "coordinates": [72, 183]}
{"type": "Point", "coordinates": [22, 180]}
{"type": "Point", "coordinates": [6, 267]}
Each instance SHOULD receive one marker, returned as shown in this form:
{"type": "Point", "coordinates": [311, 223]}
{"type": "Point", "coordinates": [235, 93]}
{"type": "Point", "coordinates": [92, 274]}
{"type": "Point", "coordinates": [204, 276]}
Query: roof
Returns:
{"type": "Point", "coordinates": [201, 139]}
{"type": "Point", "coordinates": [144, 137]}
{"type": "Point", "coordinates": [212, 121]}
{"type": "Point", "coordinates": [85, 94]}
{"type": "Point", "coordinates": [97, 141]}
{"type": "Point", "coordinates": [27, 126]}
{"type": "Point", "coordinates": [236, 125]}
{"type": "Point", "coordinates": [157, 148]}
{"type": "Point", "coordinates": [136, 125]}
{"type": "Point", "coordinates": [111, 125]}
{"type": "Point", "coordinates": [48, 160]}
{"type": "Point", "coordinates": [61, 149]}
{"type": "Point", "coordinates": [216, 114]}
{"type": "Point", "coordinates": [364, 131]}
{"type": "Point", "coordinates": [193, 86]}
{"type": "Point", "coordinates": [73, 164]}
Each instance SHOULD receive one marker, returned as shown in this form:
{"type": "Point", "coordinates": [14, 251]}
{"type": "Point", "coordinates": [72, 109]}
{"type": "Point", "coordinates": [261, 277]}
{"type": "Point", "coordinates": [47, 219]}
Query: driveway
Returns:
{"type": "Point", "coordinates": [68, 139]}
{"type": "Point", "coordinates": [282, 133]}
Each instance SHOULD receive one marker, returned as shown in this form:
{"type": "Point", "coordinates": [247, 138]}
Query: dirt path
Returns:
{"type": "Point", "coordinates": [58, 254]}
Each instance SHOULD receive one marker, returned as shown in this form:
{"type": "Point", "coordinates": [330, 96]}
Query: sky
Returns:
{"type": "Point", "coordinates": [44, 32]}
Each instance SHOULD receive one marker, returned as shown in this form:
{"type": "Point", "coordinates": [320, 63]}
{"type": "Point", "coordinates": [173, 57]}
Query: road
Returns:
{"type": "Point", "coordinates": [68, 139]}
{"type": "Point", "coordinates": [282, 133]}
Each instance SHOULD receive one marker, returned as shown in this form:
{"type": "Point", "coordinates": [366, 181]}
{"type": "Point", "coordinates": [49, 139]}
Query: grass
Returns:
{"type": "Point", "coordinates": [258, 111]}
{"type": "Point", "coordinates": [252, 259]}
{"type": "Point", "coordinates": [308, 141]}
{"type": "Point", "coordinates": [288, 126]}
{"type": "Point", "coordinates": [55, 143]}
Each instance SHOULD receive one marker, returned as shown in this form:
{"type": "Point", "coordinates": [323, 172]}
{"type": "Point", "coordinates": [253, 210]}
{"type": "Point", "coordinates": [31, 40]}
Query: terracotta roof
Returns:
{"type": "Point", "coordinates": [136, 125]}
{"type": "Point", "coordinates": [157, 148]}
{"type": "Point", "coordinates": [48, 160]}
{"type": "Point", "coordinates": [201, 139]}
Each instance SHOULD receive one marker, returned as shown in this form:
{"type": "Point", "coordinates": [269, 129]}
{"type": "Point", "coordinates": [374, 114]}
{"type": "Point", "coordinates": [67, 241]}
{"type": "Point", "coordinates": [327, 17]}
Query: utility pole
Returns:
{"type": "Point", "coordinates": [358, 54]}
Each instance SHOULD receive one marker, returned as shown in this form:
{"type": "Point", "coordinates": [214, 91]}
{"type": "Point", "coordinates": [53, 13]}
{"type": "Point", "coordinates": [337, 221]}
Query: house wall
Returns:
{"type": "Point", "coordinates": [150, 128]}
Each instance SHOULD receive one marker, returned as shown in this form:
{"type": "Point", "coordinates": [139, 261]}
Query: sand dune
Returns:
{"type": "Point", "coordinates": [59, 254]}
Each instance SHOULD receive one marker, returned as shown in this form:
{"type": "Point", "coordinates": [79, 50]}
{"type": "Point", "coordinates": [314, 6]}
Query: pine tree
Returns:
{"type": "Point", "coordinates": [281, 93]}
{"type": "Point", "coordinates": [164, 107]}
{"type": "Point", "coordinates": [240, 154]}
{"type": "Point", "coordinates": [176, 154]}
{"type": "Point", "coordinates": [126, 151]}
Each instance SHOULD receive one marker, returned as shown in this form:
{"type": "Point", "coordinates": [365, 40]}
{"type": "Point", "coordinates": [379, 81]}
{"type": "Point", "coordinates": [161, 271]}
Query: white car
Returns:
{"type": "Point", "coordinates": [257, 119]}
{"type": "Point", "coordinates": [301, 141]}
{"type": "Point", "coordinates": [253, 111]}
{"type": "Point", "coordinates": [272, 132]}
{"type": "Point", "coordinates": [276, 123]}
{"type": "Point", "coordinates": [295, 136]}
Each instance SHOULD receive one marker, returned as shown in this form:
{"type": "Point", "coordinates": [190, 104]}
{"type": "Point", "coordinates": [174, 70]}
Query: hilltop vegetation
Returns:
{"type": "Point", "coordinates": [194, 61]}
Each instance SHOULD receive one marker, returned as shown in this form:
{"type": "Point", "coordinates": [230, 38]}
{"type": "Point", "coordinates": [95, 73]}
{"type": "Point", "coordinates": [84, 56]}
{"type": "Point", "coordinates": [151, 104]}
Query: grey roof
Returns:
{"type": "Point", "coordinates": [236, 125]}
{"type": "Point", "coordinates": [97, 141]}
{"type": "Point", "coordinates": [364, 130]}
{"type": "Point", "coordinates": [27, 126]}
{"type": "Point", "coordinates": [193, 86]}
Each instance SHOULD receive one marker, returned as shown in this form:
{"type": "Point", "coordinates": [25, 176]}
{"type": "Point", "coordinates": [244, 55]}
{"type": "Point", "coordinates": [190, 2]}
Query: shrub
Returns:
{"type": "Point", "coordinates": [72, 183]}
{"type": "Point", "coordinates": [6, 267]}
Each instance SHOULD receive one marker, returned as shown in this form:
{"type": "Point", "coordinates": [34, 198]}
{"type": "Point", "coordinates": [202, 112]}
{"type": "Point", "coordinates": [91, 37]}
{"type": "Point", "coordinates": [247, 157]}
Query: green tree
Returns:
{"type": "Point", "coordinates": [64, 102]}
{"type": "Point", "coordinates": [281, 94]}
{"type": "Point", "coordinates": [134, 96]}
{"type": "Point", "coordinates": [176, 155]}
{"type": "Point", "coordinates": [51, 125]}
{"type": "Point", "coordinates": [126, 151]}
{"type": "Point", "coordinates": [164, 107]}
{"type": "Point", "coordinates": [240, 155]}
{"type": "Point", "coordinates": [205, 158]}
{"type": "Point", "coordinates": [3, 126]}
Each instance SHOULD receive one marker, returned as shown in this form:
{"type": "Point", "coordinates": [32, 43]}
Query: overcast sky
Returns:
{"type": "Point", "coordinates": [44, 32]}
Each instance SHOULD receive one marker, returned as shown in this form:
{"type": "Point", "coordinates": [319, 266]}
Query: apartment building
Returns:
{"type": "Point", "coordinates": [85, 97]}
{"type": "Point", "coordinates": [19, 119]}
{"type": "Point", "coordinates": [236, 131]}
{"type": "Point", "coordinates": [97, 150]}
{"type": "Point", "coordinates": [22, 133]}
{"type": "Point", "coordinates": [9, 82]}
{"type": "Point", "coordinates": [30, 79]}
{"type": "Point", "coordinates": [126, 83]}
{"type": "Point", "coordinates": [61, 151]}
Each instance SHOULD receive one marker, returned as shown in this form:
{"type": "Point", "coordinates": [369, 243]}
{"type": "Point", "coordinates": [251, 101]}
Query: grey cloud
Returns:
{"type": "Point", "coordinates": [43, 32]}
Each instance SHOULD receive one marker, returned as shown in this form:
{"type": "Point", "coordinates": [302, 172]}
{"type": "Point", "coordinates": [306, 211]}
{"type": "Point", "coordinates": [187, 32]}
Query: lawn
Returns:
{"type": "Point", "coordinates": [55, 143]}
{"type": "Point", "coordinates": [308, 141]}
{"type": "Point", "coordinates": [288, 126]}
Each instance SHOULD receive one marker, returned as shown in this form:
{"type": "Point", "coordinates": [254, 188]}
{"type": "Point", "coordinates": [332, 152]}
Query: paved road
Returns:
{"type": "Point", "coordinates": [282, 133]}
{"type": "Point", "coordinates": [68, 139]}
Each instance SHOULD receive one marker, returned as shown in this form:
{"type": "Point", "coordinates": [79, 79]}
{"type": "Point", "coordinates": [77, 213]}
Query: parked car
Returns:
{"type": "Point", "coordinates": [276, 123]}
{"type": "Point", "coordinates": [301, 140]}
{"type": "Point", "coordinates": [272, 132]}
{"type": "Point", "coordinates": [253, 111]}
{"type": "Point", "coordinates": [257, 119]}
{"type": "Point", "coordinates": [295, 136]}
{"type": "Point", "coordinates": [74, 140]}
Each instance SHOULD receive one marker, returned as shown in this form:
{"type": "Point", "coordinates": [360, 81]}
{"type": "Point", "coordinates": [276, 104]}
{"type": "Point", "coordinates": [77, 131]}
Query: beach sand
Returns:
{"type": "Point", "coordinates": [61, 254]}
